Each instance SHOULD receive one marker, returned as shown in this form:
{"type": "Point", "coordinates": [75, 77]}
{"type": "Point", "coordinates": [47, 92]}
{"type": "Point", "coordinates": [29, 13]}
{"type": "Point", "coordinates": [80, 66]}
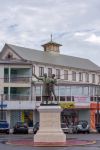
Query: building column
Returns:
{"type": "Point", "coordinates": [9, 75]}
{"type": "Point", "coordinates": [9, 93]}
{"type": "Point", "coordinates": [9, 82]}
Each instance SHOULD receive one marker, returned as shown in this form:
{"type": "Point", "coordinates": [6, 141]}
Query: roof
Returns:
{"type": "Point", "coordinates": [53, 58]}
{"type": "Point", "coordinates": [14, 61]}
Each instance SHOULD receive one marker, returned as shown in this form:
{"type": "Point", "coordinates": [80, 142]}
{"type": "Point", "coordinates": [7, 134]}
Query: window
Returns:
{"type": "Point", "coordinates": [85, 91]}
{"type": "Point", "coordinates": [9, 56]}
{"type": "Point", "coordinates": [66, 74]}
{"type": "Point", "coordinates": [38, 93]}
{"type": "Point", "coordinates": [80, 76]}
{"type": "Point", "coordinates": [87, 77]}
{"type": "Point", "coordinates": [93, 78]}
{"type": "Point", "coordinates": [58, 73]}
{"type": "Point", "coordinates": [73, 76]}
{"type": "Point", "coordinates": [41, 71]}
{"type": "Point", "coordinates": [5, 90]}
{"type": "Point", "coordinates": [5, 96]}
{"type": "Point", "coordinates": [62, 92]}
{"type": "Point", "coordinates": [76, 90]}
{"type": "Point", "coordinates": [6, 74]}
{"type": "Point", "coordinates": [49, 72]}
{"type": "Point", "coordinates": [68, 98]}
{"type": "Point", "coordinates": [99, 79]}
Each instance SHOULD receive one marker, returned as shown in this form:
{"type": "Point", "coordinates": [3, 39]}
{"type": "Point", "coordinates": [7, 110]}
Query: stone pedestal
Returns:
{"type": "Point", "coordinates": [50, 126]}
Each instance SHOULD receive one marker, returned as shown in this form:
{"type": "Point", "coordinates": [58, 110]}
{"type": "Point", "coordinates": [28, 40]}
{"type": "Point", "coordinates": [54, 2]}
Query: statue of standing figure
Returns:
{"type": "Point", "coordinates": [52, 84]}
{"type": "Point", "coordinates": [48, 87]}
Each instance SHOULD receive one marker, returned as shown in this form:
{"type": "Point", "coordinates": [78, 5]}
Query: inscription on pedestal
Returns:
{"type": "Point", "coordinates": [49, 120]}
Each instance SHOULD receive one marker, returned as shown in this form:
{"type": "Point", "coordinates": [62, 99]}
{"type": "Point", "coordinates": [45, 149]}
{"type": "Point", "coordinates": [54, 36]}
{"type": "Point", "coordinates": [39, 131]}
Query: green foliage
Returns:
{"type": "Point", "coordinates": [67, 105]}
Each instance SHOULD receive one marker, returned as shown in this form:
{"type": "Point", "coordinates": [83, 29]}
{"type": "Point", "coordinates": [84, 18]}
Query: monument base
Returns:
{"type": "Point", "coordinates": [50, 126]}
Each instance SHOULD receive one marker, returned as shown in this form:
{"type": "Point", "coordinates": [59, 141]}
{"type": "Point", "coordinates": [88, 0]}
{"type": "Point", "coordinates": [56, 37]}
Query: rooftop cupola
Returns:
{"type": "Point", "coordinates": [51, 46]}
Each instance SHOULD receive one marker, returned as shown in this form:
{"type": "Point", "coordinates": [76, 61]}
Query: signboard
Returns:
{"type": "Point", "coordinates": [3, 105]}
{"type": "Point", "coordinates": [81, 99]}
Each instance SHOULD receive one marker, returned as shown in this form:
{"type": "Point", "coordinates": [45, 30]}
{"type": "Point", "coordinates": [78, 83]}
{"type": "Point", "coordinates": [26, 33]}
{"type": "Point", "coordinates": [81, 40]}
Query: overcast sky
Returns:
{"type": "Point", "coordinates": [73, 23]}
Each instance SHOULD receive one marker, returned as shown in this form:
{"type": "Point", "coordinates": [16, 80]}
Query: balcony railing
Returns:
{"type": "Point", "coordinates": [19, 79]}
{"type": "Point", "coordinates": [16, 97]}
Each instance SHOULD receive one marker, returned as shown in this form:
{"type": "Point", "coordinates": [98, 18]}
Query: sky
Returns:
{"type": "Point", "coordinates": [73, 23]}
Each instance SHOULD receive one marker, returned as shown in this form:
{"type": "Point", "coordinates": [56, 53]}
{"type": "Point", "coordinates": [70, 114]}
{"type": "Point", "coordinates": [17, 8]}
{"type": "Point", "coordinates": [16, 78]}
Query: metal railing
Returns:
{"type": "Point", "coordinates": [19, 79]}
{"type": "Point", "coordinates": [16, 97]}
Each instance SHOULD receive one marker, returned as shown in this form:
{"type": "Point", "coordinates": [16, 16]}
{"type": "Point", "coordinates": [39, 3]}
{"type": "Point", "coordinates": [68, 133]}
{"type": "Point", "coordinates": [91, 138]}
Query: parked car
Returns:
{"type": "Point", "coordinates": [20, 127]}
{"type": "Point", "coordinates": [4, 127]}
{"type": "Point", "coordinates": [35, 127]}
{"type": "Point", "coordinates": [65, 128]}
{"type": "Point", "coordinates": [81, 126]}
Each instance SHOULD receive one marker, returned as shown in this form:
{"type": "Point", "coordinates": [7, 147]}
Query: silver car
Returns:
{"type": "Point", "coordinates": [65, 128]}
{"type": "Point", "coordinates": [81, 126]}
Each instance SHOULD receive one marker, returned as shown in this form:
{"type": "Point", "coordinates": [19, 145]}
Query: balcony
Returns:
{"type": "Point", "coordinates": [16, 97]}
{"type": "Point", "coordinates": [17, 79]}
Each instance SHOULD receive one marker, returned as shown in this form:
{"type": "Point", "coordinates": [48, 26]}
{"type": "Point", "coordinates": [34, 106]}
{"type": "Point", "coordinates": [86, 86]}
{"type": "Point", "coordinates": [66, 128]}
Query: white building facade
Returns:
{"type": "Point", "coordinates": [78, 82]}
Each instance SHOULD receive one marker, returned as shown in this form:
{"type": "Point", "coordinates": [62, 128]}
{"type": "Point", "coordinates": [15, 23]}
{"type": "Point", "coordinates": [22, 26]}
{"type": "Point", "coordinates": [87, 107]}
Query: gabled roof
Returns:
{"type": "Point", "coordinates": [54, 59]}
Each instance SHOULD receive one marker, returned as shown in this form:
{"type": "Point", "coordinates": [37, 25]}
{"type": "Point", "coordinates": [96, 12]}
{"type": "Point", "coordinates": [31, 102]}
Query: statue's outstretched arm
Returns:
{"type": "Point", "coordinates": [37, 77]}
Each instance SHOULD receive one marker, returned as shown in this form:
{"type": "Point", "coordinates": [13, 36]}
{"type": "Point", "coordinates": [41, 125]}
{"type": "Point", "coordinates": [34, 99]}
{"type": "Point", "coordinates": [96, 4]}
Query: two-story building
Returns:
{"type": "Point", "coordinates": [78, 82]}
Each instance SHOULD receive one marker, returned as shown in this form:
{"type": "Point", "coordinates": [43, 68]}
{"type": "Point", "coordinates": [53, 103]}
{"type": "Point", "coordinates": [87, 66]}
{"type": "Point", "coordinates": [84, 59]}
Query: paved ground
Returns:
{"type": "Point", "coordinates": [96, 146]}
{"type": "Point", "coordinates": [69, 142]}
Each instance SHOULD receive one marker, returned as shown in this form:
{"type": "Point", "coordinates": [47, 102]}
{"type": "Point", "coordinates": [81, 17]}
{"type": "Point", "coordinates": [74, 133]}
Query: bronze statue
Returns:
{"type": "Point", "coordinates": [52, 83]}
{"type": "Point", "coordinates": [48, 87]}
{"type": "Point", "coordinates": [45, 90]}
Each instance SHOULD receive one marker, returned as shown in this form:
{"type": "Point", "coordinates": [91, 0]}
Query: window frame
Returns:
{"type": "Point", "coordinates": [80, 76]}
{"type": "Point", "coordinates": [57, 73]}
{"type": "Point", "coordinates": [93, 78]}
{"type": "Point", "coordinates": [87, 77]}
{"type": "Point", "coordinates": [49, 72]}
{"type": "Point", "coordinates": [65, 74]}
{"type": "Point", "coordinates": [73, 75]}
{"type": "Point", "coordinates": [41, 71]}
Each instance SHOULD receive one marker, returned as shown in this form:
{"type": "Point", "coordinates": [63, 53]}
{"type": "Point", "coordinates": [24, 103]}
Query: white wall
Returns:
{"type": "Point", "coordinates": [20, 105]}
{"type": "Point", "coordinates": [1, 78]}
{"type": "Point", "coordinates": [69, 72]}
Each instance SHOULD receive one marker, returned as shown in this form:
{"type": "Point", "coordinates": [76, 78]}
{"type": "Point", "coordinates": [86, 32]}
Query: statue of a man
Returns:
{"type": "Point", "coordinates": [52, 84]}
{"type": "Point", "coordinates": [45, 90]}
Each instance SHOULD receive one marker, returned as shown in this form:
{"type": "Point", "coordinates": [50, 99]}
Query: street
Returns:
{"type": "Point", "coordinates": [4, 138]}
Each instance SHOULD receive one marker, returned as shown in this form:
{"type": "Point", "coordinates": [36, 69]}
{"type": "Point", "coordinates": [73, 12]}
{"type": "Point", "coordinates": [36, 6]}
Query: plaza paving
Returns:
{"type": "Point", "coordinates": [80, 137]}
{"type": "Point", "coordinates": [68, 143]}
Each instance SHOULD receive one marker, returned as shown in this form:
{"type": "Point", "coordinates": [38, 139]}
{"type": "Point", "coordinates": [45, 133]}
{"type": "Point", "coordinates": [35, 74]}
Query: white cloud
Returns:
{"type": "Point", "coordinates": [74, 23]}
{"type": "Point", "coordinates": [93, 39]}
{"type": "Point", "coordinates": [80, 33]}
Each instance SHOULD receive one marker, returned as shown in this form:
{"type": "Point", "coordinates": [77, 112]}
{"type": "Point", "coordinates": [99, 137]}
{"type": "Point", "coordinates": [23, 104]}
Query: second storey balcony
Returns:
{"type": "Point", "coordinates": [17, 75]}
{"type": "Point", "coordinates": [15, 79]}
